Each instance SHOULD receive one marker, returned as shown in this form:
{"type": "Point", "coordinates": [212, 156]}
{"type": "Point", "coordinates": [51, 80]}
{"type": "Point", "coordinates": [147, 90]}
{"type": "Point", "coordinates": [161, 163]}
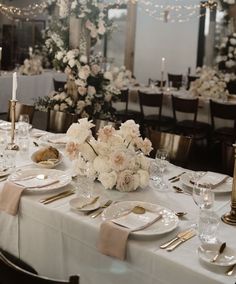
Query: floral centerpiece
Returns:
{"type": "Point", "coordinates": [211, 84]}
{"type": "Point", "coordinates": [32, 66]}
{"type": "Point", "coordinates": [116, 158]}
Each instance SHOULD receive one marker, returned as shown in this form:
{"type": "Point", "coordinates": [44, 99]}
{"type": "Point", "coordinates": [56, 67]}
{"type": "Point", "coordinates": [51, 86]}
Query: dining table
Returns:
{"type": "Point", "coordinates": [59, 241]}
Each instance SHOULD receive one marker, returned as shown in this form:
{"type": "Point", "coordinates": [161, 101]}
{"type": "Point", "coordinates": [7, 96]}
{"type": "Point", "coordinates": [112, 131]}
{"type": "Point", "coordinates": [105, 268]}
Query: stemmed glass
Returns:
{"type": "Point", "coordinates": [23, 132]}
{"type": "Point", "coordinates": [161, 161]}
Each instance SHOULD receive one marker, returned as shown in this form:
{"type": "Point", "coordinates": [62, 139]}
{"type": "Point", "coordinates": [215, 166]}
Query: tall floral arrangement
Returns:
{"type": "Point", "coordinates": [211, 84]}
{"type": "Point", "coordinates": [32, 66]}
{"type": "Point", "coordinates": [116, 158]}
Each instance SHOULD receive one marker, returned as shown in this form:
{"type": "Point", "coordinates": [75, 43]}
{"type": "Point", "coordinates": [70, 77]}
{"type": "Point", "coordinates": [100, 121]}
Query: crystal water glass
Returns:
{"type": "Point", "coordinates": [23, 125]}
{"type": "Point", "coordinates": [203, 195]}
{"type": "Point", "coordinates": [161, 162]}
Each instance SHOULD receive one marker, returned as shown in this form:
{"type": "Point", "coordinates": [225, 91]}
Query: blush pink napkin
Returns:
{"type": "Point", "coordinates": [10, 197]}
{"type": "Point", "coordinates": [113, 240]}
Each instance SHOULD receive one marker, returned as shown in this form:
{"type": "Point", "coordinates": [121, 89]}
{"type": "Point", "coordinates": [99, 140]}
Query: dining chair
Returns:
{"type": "Point", "coordinates": [223, 111]}
{"type": "Point", "coordinates": [59, 122]}
{"type": "Point", "coordinates": [58, 85]}
{"type": "Point", "coordinates": [190, 80]}
{"type": "Point", "coordinates": [21, 109]}
{"type": "Point", "coordinates": [231, 87]}
{"type": "Point", "coordinates": [156, 120]}
{"type": "Point", "coordinates": [156, 83]}
{"type": "Point", "coordinates": [190, 126]}
{"type": "Point", "coordinates": [177, 146]}
{"type": "Point", "coordinates": [12, 273]}
{"type": "Point", "coordinates": [175, 80]}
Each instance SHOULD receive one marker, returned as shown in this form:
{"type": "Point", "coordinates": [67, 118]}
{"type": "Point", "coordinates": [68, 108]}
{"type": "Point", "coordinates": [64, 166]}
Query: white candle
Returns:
{"type": "Point", "coordinates": [30, 51]}
{"type": "Point", "coordinates": [0, 53]}
{"type": "Point", "coordinates": [14, 86]}
{"type": "Point", "coordinates": [163, 64]}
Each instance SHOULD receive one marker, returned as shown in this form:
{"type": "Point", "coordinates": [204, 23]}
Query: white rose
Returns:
{"type": "Point", "coordinates": [127, 181]}
{"type": "Point", "coordinates": [91, 91]}
{"type": "Point", "coordinates": [83, 59]}
{"type": "Point", "coordinates": [143, 162]}
{"type": "Point", "coordinates": [59, 55]}
{"type": "Point", "coordinates": [108, 180]}
{"type": "Point", "coordinates": [101, 164]}
{"type": "Point", "coordinates": [108, 75]}
{"type": "Point", "coordinates": [71, 63]}
{"type": "Point", "coordinates": [119, 160]}
{"type": "Point", "coordinates": [143, 178]}
{"type": "Point", "coordinates": [87, 152]}
{"type": "Point", "coordinates": [56, 107]}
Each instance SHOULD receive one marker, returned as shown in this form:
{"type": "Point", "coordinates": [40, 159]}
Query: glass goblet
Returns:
{"type": "Point", "coordinates": [203, 196]}
{"type": "Point", "coordinates": [161, 161]}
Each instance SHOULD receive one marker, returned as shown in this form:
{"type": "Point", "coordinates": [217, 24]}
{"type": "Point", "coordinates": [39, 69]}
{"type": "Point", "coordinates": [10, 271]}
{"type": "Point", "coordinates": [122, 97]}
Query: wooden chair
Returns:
{"type": "Point", "coordinates": [175, 81]}
{"type": "Point", "coordinates": [156, 120]}
{"type": "Point", "coordinates": [178, 146]}
{"type": "Point", "coordinates": [59, 122]}
{"type": "Point", "coordinates": [189, 127]}
{"type": "Point", "coordinates": [11, 273]}
{"type": "Point", "coordinates": [156, 83]}
{"type": "Point", "coordinates": [225, 112]}
{"type": "Point", "coordinates": [58, 85]}
{"type": "Point", "coordinates": [190, 80]}
{"type": "Point", "coordinates": [21, 109]}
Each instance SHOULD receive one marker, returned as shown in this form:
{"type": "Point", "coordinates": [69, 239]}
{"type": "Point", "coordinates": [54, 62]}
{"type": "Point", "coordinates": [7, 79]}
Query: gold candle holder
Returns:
{"type": "Point", "coordinates": [230, 217]}
{"type": "Point", "coordinates": [12, 145]}
{"type": "Point", "coordinates": [162, 81]}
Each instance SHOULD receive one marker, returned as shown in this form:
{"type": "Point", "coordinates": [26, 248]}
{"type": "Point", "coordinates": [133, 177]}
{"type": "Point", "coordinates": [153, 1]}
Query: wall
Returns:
{"type": "Point", "coordinates": [177, 42]}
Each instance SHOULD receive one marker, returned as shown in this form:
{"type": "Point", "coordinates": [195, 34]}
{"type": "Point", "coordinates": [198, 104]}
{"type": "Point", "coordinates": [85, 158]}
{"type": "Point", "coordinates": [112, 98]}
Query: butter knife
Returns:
{"type": "Point", "coordinates": [55, 195]}
{"type": "Point", "coordinates": [182, 240]}
{"type": "Point", "coordinates": [58, 197]}
{"type": "Point", "coordinates": [220, 251]}
{"type": "Point", "coordinates": [176, 238]}
{"type": "Point", "coordinates": [177, 176]}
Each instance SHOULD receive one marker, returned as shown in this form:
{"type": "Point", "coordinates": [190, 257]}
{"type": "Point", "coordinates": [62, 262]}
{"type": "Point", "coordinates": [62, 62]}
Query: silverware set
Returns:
{"type": "Point", "coordinates": [58, 196]}
{"type": "Point", "coordinates": [95, 213]}
{"type": "Point", "coordinates": [179, 239]}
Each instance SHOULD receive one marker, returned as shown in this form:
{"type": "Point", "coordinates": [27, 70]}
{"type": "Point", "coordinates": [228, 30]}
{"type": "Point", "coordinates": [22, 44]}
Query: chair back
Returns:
{"type": "Point", "coordinates": [222, 111]}
{"type": "Point", "coordinates": [156, 83]}
{"type": "Point", "coordinates": [190, 80]}
{"type": "Point", "coordinates": [150, 100]}
{"type": "Point", "coordinates": [124, 98]}
{"type": "Point", "coordinates": [11, 273]}
{"type": "Point", "coordinates": [231, 87]}
{"type": "Point", "coordinates": [21, 109]}
{"type": "Point", "coordinates": [178, 146]}
{"type": "Point", "coordinates": [175, 81]}
{"type": "Point", "coordinates": [58, 85]}
{"type": "Point", "coordinates": [185, 106]}
{"type": "Point", "coordinates": [59, 122]}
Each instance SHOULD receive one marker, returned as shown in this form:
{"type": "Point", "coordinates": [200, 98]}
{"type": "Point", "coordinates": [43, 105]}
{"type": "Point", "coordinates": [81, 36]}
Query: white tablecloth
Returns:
{"type": "Point", "coordinates": [29, 87]}
{"type": "Point", "coordinates": [59, 242]}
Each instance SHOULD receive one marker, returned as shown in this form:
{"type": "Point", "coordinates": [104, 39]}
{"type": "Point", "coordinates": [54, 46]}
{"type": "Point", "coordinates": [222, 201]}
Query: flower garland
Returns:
{"type": "Point", "coordinates": [117, 158]}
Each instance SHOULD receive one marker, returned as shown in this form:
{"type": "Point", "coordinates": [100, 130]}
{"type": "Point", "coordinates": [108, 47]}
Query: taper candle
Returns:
{"type": "Point", "coordinates": [14, 86]}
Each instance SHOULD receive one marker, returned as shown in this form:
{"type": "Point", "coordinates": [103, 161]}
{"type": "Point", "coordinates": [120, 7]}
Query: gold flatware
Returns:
{"type": "Point", "coordinates": [58, 197]}
{"type": "Point", "coordinates": [220, 251]}
{"type": "Point", "coordinates": [180, 190]}
{"type": "Point", "coordinates": [177, 176]}
{"type": "Point", "coordinates": [176, 238]}
{"type": "Point", "coordinates": [55, 195]}
{"type": "Point", "coordinates": [183, 239]}
{"type": "Point", "coordinates": [230, 271]}
{"type": "Point", "coordinates": [92, 201]}
{"type": "Point", "coordinates": [175, 180]}
{"type": "Point", "coordinates": [109, 202]}
{"type": "Point", "coordinates": [101, 209]}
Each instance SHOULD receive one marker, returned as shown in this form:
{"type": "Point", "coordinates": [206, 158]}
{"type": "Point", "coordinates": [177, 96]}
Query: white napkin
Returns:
{"type": "Point", "coordinates": [214, 179]}
{"type": "Point", "coordinates": [35, 182]}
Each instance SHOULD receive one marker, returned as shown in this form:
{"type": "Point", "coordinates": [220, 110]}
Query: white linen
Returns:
{"type": "Point", "coordinates": [60, 242]}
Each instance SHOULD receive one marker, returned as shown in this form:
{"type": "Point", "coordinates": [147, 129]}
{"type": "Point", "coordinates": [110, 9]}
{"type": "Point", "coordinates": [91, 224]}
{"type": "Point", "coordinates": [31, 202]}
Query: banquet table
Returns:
{"type": "Point", "coordinates": [29, 87]}
{"type": "Point", "coordinates": [59, 242]}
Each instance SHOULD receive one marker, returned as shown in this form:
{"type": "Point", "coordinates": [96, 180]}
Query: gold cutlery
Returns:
{"type": "Point", "coordinates": [177, 176]}
{"type": "Point", "coordinates": [183, 239]}
{"type": "Point", "coordinates": [180, 190]}
{"type": "Point", "coordinates": [101, 209]}
{"type": "Point", "coordinates": [230, 271]}
{"type": "Point", "coordinates": [220, 251]}
{"type": "Point", "coordinates": [93, 211]}
{"type": "Point", "coordinates": [92, 201]}
{"type": "Point", "coordinates": [55, 195]}
{"type": "Point", "coordinates": [59, 196]}
{"type": "Point", "coordinates": [175, 180]}
{"type": "Point", "coordinates": [176, 238]}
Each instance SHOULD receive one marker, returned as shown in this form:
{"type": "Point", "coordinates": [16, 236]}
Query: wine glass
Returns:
{"type": "Point", "coordinates": [23, 125]}
{"type": "Point", "coordinates": [161, 162]}
{"type": "Point", "coordinates": [203, 196]}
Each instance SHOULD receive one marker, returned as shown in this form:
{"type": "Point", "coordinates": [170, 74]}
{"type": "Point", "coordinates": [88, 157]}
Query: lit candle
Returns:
{"type": "Point", "coordinates": [163, 64]}
{"type": "Point", "coordinates": [30, 51]}
{"type": "Point", "coordinates": [0, 53]}
{"type": "Point", "coordinates": [14, 86]}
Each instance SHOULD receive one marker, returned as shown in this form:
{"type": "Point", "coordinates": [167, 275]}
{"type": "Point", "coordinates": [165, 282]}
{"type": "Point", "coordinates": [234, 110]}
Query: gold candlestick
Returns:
{"type": "Point", "coordinates": [230, 217]}
{"type": "Point", "coordinates": [12, 145]}
{"type": "Point", "coordinates": [162, 79]}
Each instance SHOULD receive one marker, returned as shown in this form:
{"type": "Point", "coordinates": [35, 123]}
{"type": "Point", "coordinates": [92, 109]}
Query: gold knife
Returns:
{"type": "Point", "coordinates": [220, 251]}
{"type": "Point", "coordinates": [59, 197]}
{"type": "Point", "coordinates": [55, 195]}
{"type": "Point", "coordinates": [177, 176]}
{"type": "Point", "coordinates": [182, 240]}
{"type": "Point", "coordinates": [176, 238]}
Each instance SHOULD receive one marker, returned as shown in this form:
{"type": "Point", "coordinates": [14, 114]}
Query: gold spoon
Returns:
{"type": "Point", "coordinates": [140, 210]}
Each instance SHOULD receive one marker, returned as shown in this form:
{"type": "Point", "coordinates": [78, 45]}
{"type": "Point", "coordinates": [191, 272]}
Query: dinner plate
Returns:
{"type": "Point", "coordinates": [49, 164]}
{"type": "Point", "coordinates": [62, 178]}
{"type": "Point", "coordinates": [7, 125]}
{"type": "Point", "coordinates": [81, 203]}
{"type": "Point", "coordinates": [221, 188]}
{"type": "Point", "coordinates": [206, 252]}
{"type": "Point", "coordinates": [56, 140]}
{"type": "Point", "coordinates": [167, 223]}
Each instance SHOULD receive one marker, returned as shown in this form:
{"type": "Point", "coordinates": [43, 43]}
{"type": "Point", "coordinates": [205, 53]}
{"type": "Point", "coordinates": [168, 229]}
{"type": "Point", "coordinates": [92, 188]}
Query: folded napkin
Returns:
{"type": "Point", "coordinates": [214, 179]}
{"type": "Point", "coordinates": [10, 197]}
{"type": "Point", "coordinates": [114, 234]}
